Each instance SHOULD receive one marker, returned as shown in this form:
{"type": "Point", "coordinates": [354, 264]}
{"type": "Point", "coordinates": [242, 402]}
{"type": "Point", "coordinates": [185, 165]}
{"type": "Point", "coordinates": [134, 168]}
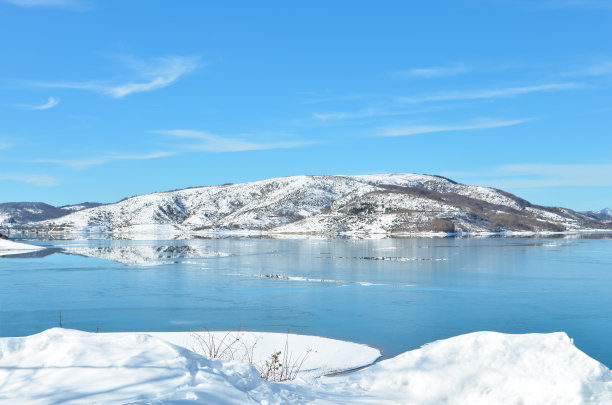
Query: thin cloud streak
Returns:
{"type": "Point", "coordinates": [438, 71]}
{"type": "Point", "coordinates": [491, 93]}
{"type": "Point", "coordinates": [601, 69]}
{"type": "Point", "coordinates": [541, 175]}
{"type": "Point", "coordinates": [66, 4]}
{"type": "Point", "coordinates": [159, 74]}
{"type": "Point", "coordinates": [215, 143]}
{"type": "Point", "coordinates": [365, 113]}
{"type": "Point", "coordinates": [207, 142]}
{"type": "Point", "coordinates": [51, 102]}
{"type": "Point", "coordinates": [39, 180]}
{"type": "Point", "coordinates": [374, 113]}
{"type": "Point", "coordinates": [592, 4]}
{"type": "Point", "coordinates": [4, 144]}
{"type": "Point", "coordinates": [99, 160]}
{"type": "Point", "coordinates": [486, 123]}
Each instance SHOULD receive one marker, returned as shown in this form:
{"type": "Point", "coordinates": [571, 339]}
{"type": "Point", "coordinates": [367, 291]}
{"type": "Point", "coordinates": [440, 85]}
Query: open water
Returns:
{"type": "Point", "coordinates": [393, 294]}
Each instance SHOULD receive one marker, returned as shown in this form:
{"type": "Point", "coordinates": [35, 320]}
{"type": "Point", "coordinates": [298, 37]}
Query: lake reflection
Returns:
{"type": "Point", "coordinates": [394, 294]}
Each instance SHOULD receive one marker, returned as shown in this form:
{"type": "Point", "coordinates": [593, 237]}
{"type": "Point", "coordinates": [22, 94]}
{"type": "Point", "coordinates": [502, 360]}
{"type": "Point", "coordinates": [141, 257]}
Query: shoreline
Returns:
{"type": "Point", "coordinates": [175, 234]}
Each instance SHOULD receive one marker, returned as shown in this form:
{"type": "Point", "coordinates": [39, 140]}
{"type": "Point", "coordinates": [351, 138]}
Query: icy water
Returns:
{"type": "Point", "coordinates": [394, 294]}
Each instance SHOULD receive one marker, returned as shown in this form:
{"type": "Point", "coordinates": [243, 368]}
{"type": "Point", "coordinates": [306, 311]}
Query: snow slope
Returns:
{"type": "Point", "coordinates": [8, 247]}
{"type": "Point", "coordinates": [61, 366]}
{"type": "Point", "coordinates": [389, 204]}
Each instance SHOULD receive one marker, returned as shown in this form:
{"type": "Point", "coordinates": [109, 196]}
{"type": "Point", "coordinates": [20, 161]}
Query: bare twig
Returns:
{"type": "Point", "coordinates": [280, 366]}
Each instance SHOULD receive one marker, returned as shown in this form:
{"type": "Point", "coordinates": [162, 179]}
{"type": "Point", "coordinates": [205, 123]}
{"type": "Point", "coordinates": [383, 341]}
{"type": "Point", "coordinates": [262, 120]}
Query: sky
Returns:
{"type": "Point", "coordinates": [102, 100]}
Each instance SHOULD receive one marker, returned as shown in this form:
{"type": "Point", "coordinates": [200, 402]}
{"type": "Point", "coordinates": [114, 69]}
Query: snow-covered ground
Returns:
{"type": "Point", "coordinates": [62, 366]}
{"type": "Point", "coordinates": [321, 355]}
{"type": "Point", "coordinates": [8, 247]}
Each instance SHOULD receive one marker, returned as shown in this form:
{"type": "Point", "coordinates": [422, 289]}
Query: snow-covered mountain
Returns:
{"type": "Point", "coordinates": [79, 207]}
{"type": "Point", "coordinates": [388, 204]}
{"type": "Point", "coordinates": [14, 213]}
{"type": "Point", "coordinates": [604, 214]}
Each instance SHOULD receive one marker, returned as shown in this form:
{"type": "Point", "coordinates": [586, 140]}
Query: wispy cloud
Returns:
{"type": "Point", "coordinates": [201, 141]}
{"type": "Point", "coordinates": [373, 112]}
{"type": "Point", "coordinates": [483, 123]}
{"type": "Point", "coordinates": [84, 163]}
{"type": "Point", "coordinates": [39, 180]}
{"type": "Point", "coordinates": [540, 175]}
{"type": "Point", "coordinates": [152, 75]}
{"type": "Point", "coordinates": [208, 142]}
{"type": "Point", "coordinates": [5, 144]}
{"type": "Point", "coordinates": [364, 113]}
{"type": "Point", "coordinates": [51, 102]}
{"type": "Point", "coordinates": [601, 69]}
{"type": "Point", "coordinates": [490, 93]}
{"type": "Point", "coordinates": [429, 72]}
{"type": "Point", "coordinates": [77, 5]}
{"type": "Point", "coordinates": [593, 4]}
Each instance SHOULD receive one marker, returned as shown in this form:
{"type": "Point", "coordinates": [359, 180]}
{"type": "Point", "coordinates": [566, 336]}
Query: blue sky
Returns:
{"type": "Point", "coordinates": [101, 100]}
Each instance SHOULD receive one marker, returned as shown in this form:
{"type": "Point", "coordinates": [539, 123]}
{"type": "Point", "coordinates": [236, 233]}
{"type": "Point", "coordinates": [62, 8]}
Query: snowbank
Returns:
{"type": "Point", "coordinates": [322, 355]}
{"type": "Point", "coordinates": [63, 366]}
{"type": "Point", "coordinates": [8, 247]}
{"type": "Point", "coordinates": [486, 368]}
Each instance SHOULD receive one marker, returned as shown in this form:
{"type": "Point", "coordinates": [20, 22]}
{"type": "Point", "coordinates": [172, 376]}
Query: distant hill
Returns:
{"type": "Point", "coordinates": [19, 213]}
{"type": "Point", "coordinates": [604, 214]}
{"type": "Point", "coordinates": [388, 204]}
{"type": "Point", "coordinates": [79, 207]}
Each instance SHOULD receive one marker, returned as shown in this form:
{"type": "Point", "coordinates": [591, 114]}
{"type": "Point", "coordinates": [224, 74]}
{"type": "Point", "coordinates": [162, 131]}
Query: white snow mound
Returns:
{"type": "Point", "coordinates": [61, 366]}
{"type": "Point", "coordinates": [8, 247]}
{"type": "Point", "coordinates": [485, 368]}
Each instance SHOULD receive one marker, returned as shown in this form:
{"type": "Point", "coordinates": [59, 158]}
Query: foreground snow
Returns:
{"type": "Point", "coordinates": [62, 366]}
{"type": "Point", "coordinates": [321, 355]}
{"type": "Point", "coordinates": [485, 368]}
{"type": "Point", "coordinates": [8, 247]}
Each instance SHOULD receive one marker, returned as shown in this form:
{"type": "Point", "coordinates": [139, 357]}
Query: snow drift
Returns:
{"type": "Point", "coordinates": [486, 368]}
{"type": "Point", "coordinates": [62, 366]}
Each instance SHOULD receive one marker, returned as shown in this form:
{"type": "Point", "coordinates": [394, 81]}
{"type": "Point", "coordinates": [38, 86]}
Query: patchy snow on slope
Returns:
{"type": "Point", "coordinates": [8, 247]}
{"type": "Point", "coordinates": [385, 204]}
{"type": "Point", "coordinates": [70, 367]}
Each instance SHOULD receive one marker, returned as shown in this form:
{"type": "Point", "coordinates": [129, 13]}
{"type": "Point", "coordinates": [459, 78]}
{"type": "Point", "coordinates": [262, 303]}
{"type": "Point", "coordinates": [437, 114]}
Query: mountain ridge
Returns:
{"type": "Point", "coordinates": [605, 213]}
{"type": "Point", "coordinates": [18, 213]}
{"type": "Point", "coordinates": [387, 204]}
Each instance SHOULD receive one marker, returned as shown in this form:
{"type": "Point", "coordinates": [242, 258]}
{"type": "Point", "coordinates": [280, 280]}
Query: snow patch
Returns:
{"type": "Point", "coordinates": [8, 247]}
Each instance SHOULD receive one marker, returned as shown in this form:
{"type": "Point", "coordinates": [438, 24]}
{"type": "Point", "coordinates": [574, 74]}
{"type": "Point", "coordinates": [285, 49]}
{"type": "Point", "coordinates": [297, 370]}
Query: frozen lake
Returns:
{"type": "Point", "coordinates": [394, 294]}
